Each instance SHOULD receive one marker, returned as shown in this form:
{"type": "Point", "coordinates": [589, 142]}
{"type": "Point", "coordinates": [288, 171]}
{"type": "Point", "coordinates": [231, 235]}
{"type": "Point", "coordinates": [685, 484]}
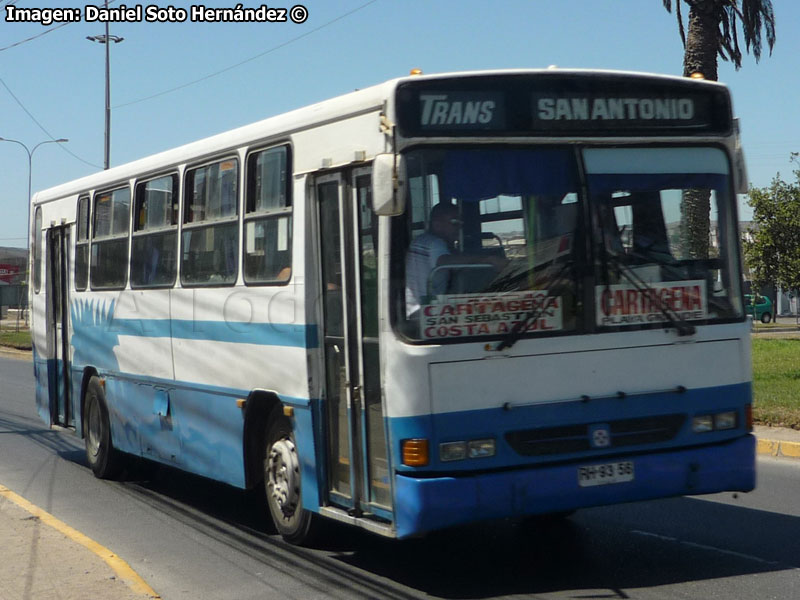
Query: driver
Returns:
{"type": "Point", "coordinates": [435, 248]}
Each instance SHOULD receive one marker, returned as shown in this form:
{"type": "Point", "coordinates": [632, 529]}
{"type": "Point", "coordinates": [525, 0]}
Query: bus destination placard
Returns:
{"type": "Point", "coordinates": [626, 304]}
{"type": "Point", "coordinates": [467, 315]}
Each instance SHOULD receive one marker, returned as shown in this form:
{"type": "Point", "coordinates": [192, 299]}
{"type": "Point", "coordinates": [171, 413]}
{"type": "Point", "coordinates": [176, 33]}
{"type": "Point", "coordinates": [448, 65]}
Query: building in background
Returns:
{"type": "Point", "coordinates": [13, 280]}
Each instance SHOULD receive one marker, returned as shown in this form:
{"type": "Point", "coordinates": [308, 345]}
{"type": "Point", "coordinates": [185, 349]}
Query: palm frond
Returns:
{"type": "Point", "coordinates": [668, 6]}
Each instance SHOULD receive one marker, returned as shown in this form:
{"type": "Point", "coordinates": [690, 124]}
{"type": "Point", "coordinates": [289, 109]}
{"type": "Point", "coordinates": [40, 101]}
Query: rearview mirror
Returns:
{"type": "Point", "coordinates": [388, 185]}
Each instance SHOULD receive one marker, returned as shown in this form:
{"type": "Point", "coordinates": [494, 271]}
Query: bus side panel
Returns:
{"type": "Point", "coordinates": [227, 342]}
{"type": "Point", "coordinates": [305, 431]}
{"type": "Point", "coordinates": [124, 401]}
{"type": "Point", "coordinates": [209, 427]}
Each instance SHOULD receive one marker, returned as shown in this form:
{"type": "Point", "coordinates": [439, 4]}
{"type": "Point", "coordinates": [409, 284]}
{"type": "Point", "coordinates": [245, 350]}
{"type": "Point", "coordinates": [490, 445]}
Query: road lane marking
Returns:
{"type": "Point", "coordinates": [705, 547]}
{"type": "Point", "coordinates": [123, 570]}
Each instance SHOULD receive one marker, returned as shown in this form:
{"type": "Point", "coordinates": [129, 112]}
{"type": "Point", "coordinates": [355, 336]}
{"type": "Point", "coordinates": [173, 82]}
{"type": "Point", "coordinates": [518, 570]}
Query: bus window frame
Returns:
{"type": "Point", "coordinates": [38, 238]}
{"type": "Point", "coordinates": [186, 225]}
{"type": "Point", "coordinates": [83, 242]}
{"type": "Point", "coordinates": [111, 237]}
{"type": "Point", "coordinates": [139, 189]}
{"type": "Point", "coordinates": [269, 214]}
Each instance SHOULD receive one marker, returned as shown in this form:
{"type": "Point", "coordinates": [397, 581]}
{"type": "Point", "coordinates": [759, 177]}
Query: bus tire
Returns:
{"type": "Point", "coordinates": [103, 458]}
{"type": "Point", "coordinates": [282, 482]}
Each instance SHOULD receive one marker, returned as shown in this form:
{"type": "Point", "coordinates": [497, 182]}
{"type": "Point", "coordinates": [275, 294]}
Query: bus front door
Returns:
{"type": "Point", "coordinates": [57, 269]}
{"type": "Point", "coordinates": [357, 466]}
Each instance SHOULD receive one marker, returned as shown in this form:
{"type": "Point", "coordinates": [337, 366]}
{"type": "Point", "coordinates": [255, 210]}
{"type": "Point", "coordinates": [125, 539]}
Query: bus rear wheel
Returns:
{"type": "Point", "coordinates": [103, 459]}
{"type": "Point", "coordinates": [282, 483]}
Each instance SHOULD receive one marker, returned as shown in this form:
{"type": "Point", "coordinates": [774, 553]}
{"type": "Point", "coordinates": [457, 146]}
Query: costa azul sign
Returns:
{"type": "Point", "coordinates": [466, 315]}
{"type": "Point", "coordinates": [626, 304]}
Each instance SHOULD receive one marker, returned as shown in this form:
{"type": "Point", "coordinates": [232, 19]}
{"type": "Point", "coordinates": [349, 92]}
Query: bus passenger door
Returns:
{"type": "Point", "coordinates": [56, 281]}
{"type": "Point", "coordinates": [358, 476]}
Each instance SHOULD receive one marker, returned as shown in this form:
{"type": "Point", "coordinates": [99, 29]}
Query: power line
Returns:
{"type": "Point", "coordinates": [38, 35]}
{"type": "Point", "coordinates": [47, 133]}
{"type": "Point", "coordinates": [252, 58]}
{"type": "Point", "coordinates": [30, 39]}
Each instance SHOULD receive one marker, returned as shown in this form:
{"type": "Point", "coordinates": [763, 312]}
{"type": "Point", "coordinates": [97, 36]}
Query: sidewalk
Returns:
{"type": "Point", "coordinates": [45, 559]}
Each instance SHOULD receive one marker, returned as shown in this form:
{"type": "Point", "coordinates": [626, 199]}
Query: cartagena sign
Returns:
{"type": "Point", "coordinates": [626, 304]}
{"type": "Point", "coordinates": [467, 315]}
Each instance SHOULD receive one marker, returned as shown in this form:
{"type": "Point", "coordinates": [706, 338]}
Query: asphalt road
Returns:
{"type": "Point", "coordinates": [190, 538]}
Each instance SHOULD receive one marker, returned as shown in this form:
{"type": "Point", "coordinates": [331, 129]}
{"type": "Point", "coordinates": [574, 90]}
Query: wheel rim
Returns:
{"type": "Point", "coordinates": [283, 477]}
{"type": "Point", "coordinates": [94, 425]}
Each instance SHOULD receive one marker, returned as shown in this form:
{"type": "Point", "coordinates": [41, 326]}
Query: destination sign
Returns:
{"type": "Point", "coordinates": [562, 104]}
{"type": "Point", "coordinates": [554, 108]}
{"type": "Point", "coordinates": [462, 110]}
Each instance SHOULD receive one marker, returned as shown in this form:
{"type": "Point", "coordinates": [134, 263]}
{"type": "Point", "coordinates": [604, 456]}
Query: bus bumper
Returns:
{"type": "Point", "coordinates": [438, 502]}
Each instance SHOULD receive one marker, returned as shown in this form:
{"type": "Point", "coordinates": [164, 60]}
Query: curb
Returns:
{"type": "Point", "coordinates": [779, 448]}
{"type": "Point", "coordinates": [122, 569]}
{"type": "Point", "coordinates": [9, 352]}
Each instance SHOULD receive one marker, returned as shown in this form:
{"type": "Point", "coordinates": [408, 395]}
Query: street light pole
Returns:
{"type": "Point", "coordinates": [30, 152]}
{"type": "Point", "coordinates": [107, 39]}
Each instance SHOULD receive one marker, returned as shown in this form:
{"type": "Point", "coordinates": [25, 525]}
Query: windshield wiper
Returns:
{"type": "Point", "coordinates": [672, 318]}
{"type": "Point", "coordinates": [554, 289]}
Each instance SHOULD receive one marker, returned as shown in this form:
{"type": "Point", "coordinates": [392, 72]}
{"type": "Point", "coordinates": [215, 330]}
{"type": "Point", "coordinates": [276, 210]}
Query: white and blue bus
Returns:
{"type": "Point", "coordinates": [438, 300]}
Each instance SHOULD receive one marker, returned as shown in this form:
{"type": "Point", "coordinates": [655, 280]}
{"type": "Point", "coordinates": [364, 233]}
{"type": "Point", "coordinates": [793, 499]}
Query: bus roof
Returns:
{"type": "Point", "coordinates": [280, 127]}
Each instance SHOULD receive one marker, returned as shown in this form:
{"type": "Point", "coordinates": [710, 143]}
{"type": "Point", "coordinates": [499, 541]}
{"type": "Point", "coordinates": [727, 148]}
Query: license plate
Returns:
{"type": "Point", "coordinates": [617, 472]}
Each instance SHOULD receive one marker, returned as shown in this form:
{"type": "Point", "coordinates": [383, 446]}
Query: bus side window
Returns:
{"type": "Point", "coordinates": [211, 227]}
{"type": "Point", "coordinates": [82, 245]}
{"type": "Point", "coordinates": [268, 217]}
{"type": "Point", "coordinates": [110, 239]}
{"type": "Point", "coordinates": [37, 250]}
{"type": "Point", "coordinates": [155, 237]}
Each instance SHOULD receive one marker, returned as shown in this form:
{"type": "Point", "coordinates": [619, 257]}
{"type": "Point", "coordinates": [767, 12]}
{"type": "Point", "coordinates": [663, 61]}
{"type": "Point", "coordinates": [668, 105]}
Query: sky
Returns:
{"type": "Point", "coordinates": [176, 82]}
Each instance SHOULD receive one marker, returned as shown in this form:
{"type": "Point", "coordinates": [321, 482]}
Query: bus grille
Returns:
{"type": "Point", "coordinates": [576, 438]}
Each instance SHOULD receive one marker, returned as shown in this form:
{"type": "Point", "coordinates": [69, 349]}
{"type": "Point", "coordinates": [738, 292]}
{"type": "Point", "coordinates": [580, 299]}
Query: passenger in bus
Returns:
{"type": "Point", "coordinates": [435, 248]}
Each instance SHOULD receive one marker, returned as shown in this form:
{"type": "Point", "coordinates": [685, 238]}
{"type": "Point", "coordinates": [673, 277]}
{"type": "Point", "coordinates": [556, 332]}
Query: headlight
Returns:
{"type": "Point", "coordinates": [703, 423]}
{"type": "Point", "coordinates": [452, 451]}
{"type": "Point", "coordinates": [481, 448]}
{"type": "Point", "coordinates": [715, 422]}
{"type": "Point", "coordinates": [726, 420]}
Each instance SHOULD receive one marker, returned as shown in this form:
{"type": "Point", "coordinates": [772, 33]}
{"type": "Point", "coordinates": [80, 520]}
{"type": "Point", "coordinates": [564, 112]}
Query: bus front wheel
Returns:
{"type": "Point", "coordinates": [103, 459]}
{"type": "Point", "coordinates": [282, 482]}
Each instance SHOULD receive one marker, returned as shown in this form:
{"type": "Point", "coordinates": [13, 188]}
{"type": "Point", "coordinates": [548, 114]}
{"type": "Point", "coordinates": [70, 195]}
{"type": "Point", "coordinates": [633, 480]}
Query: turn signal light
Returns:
{"type": "Point", "coordinates": [415, 452]}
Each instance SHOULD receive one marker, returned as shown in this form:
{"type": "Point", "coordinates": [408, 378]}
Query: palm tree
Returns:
{"type": "Point", "coordinates": [713, 32]}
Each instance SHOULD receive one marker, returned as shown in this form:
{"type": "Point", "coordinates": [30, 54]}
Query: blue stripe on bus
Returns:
{"type": "Point", "coordinates": [237, 332]}
{"type": "Point", "coordinates": [426, 504]}
{"type": "Point", "coordinates": [96, 328]}
{"type": "Point", "coordinates": [496, 422]}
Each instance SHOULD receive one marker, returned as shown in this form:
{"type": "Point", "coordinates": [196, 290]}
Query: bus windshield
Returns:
{"type": "Point", "coordinates": [502, 241]}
